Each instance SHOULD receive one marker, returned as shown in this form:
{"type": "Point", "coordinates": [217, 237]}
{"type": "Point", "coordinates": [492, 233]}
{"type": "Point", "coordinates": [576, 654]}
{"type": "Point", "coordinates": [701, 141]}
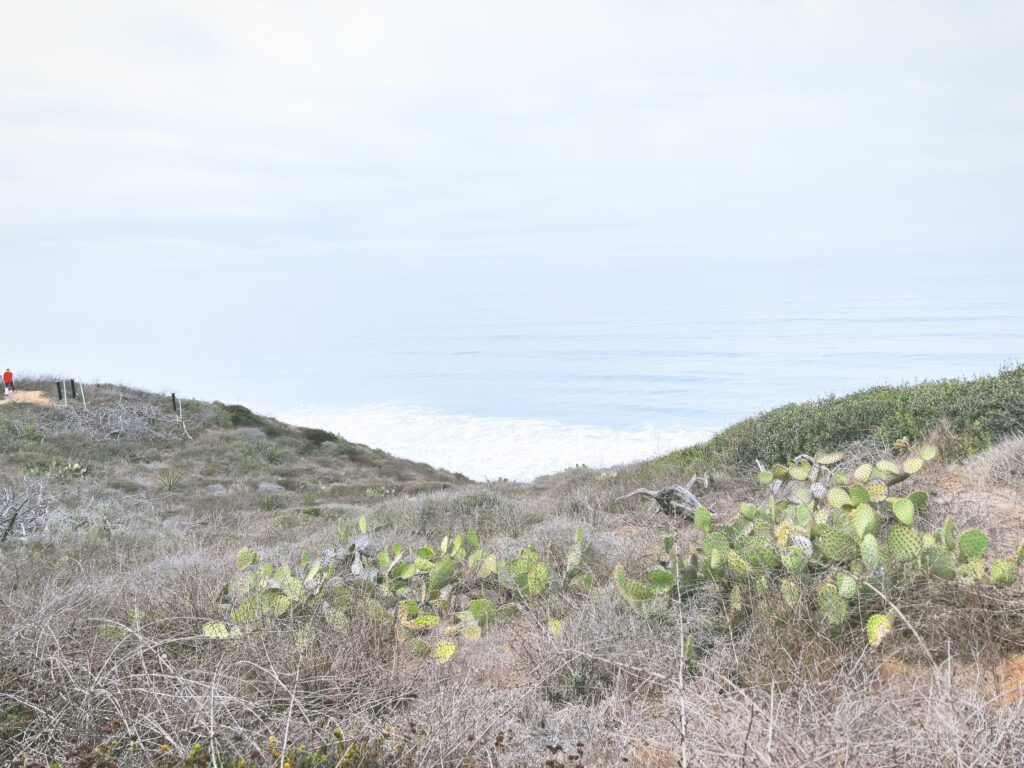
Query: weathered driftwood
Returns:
{"type": "Point", "coordinates": [677, 500]}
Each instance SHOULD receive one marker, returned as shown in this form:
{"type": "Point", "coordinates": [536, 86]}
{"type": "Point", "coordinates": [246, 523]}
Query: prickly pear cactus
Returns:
{"type": "Point", "coordinates": [904, 543]}
{"type": "Point", "coordinates": [878, 628]}
{"type": "Point", "coordinates": [425, 594]}
{"type": "Point", "coordinates": [820, 533]}
{"type": "Point", "coordinates": [973, 544]}
{"type": "Point", "coordinates": [1004, 573]}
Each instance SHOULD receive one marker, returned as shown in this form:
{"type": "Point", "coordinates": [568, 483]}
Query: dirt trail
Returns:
{"type": "Point", "coordinates": [28, 396]}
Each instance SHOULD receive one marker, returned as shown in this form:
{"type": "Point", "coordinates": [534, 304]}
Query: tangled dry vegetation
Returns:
{"type": "Point", "coordinates": [132, 542]}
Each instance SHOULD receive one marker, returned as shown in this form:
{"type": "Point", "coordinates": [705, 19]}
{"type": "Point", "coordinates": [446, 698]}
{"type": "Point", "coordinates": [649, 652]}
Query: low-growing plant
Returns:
{"type": "Point", "coordinates": [840, 534]}
{"type": "Point", "coordinates": [270, 502]}
{"type": "Point", "coordinates": [68, 470]}
{"type": "Point", "coordinates": [432, 595]}
{"type": "Point", "coordinates": [170, 479]}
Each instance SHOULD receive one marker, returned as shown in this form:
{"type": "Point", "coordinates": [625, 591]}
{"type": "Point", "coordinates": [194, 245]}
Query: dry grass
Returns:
{"type": "Point", "coordinates": [102, 660]}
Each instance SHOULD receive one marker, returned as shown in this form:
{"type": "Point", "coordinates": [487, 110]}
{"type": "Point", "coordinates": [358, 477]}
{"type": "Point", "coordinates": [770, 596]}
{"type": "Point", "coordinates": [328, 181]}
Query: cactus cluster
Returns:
{"type": "Point", "coordinates": [426, 593]}
{"type": "Point", "coordinates": [835, 530]}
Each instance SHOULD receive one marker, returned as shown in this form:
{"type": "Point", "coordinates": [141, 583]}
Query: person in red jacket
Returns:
{"type": "Point", "coordinates": [9, 380]}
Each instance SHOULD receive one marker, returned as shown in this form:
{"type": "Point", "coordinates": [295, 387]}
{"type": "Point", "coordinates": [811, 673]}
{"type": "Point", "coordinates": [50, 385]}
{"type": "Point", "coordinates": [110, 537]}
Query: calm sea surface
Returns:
{"type": "Point", "coordinates": [500, 383]}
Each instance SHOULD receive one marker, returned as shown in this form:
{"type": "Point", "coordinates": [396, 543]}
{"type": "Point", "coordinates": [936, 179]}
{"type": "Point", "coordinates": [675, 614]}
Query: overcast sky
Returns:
{"type": "Point", "coordinates": [207, 167]}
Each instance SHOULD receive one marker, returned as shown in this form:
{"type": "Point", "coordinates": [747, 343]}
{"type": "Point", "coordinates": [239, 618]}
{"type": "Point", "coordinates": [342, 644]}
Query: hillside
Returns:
{"type": "Point", "coordinates": [217, 459]}
{"type": "Point", "coordinates": [228, 589]}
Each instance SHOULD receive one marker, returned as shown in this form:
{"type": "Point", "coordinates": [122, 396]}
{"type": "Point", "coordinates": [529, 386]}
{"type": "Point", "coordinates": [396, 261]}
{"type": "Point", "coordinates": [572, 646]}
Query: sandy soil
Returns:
{"type": "Point", "coordinates": [27, 396]}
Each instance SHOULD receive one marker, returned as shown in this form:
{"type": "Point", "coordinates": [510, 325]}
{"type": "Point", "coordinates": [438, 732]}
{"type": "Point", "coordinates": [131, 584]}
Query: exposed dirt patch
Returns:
{"type": "Point", "coordinates": [32, 396]}
{"type": "Point", "coordinates": [999, 683]}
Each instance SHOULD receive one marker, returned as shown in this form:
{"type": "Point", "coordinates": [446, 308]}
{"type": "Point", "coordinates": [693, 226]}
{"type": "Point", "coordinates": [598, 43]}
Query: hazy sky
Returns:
{"type": "Point", "coordinates": [188, 177]}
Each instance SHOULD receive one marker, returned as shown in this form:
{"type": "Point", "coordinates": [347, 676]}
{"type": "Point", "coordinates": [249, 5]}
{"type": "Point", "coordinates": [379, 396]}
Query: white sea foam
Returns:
{"type": "Point", "coordinates": [485, 447]}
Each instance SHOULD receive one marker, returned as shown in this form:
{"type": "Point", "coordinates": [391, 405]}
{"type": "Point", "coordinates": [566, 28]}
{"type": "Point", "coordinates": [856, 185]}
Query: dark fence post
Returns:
{"type": "Point", "coordinates": [174, 403]}
{"type": "Point", "coordinates": [60, 390]}
{"type": "Point", "coordinates": [74, 390]}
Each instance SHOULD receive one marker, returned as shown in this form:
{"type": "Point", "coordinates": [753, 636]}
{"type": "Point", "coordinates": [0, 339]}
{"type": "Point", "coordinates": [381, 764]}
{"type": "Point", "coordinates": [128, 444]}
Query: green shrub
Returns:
{"type": "Point", "coordinates": [271, 502]}
{"type": "Point", "coordinates": [317, 436]}
{"type": "Point", "coordinates": [978, 412]}
{"type": "Point", "coordinates": [240, 416]}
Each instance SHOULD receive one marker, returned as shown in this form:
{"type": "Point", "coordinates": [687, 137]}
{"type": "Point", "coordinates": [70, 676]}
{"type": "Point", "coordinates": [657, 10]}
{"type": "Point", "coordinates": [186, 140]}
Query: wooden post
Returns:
{"type": "Point", "coordinates": [74, 390]}
{"type": "Point", "coordinates": [174, 403]}
{"type": "Point", "coordinates": [60, 390]}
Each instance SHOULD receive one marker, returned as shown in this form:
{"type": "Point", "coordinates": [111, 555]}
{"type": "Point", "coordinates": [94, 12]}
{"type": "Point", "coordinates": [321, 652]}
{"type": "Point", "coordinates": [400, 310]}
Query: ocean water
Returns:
{"type": "Point", "coordinates": [516, 384]}
{"type": "Point", "coordinates": [507, 367]}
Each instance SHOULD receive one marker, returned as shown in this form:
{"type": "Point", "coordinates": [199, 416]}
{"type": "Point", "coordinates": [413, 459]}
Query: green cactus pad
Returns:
{"type": "Point", "coordinates": [799, 471]}
{"type": "Point", "coordinates": [216, 630]}
{"type": "Point", "coordinates": [847, 585]}
{"type": "Point", "coordinates": [904, 543]}
{"type": "Point", "coordinates": [929, 452]}
{"type": "Point", "coordinates": [802, 495]}
{"type": "Point", "coordinates": [862, 473]}
{"type": "Point", "coordinates": [245, 612]}
{"type": "Point", "coordinates": [702, 519]}
{"type": "Point", "coordinates": [795, 560]}
{"type": "Point", "coordinates": [759, 552]}
{"type": "Point", "coordinates": [715, 540]}
{"type": "Point", "coordinates": [1004, 573]}
{"type": "Point", "coordinates": [832, 605]}
{"type": "Point", "coordinates": [864, 520]}
{"type": "Point", "coordinates": [292, 587]}
{"type": "Point", "coordinates": [245, 558]}
{"type": "Point", "coordinates": [443, 651]}
{"type": "Point", "coordinates": [660, 580]}
{"type": "Point", "coordinates": [275, 603]}
{"type": "Point", "coordinates": [716, 561]}
{"type": "Point", "coordinates": [780, 472]}
{"type": "Point", "coordinates": [877, 628]}
{"type": "Point", "coordinates": [920, 498]}
{"type": "Point", "coordinates": [913, 465]}
{"type": "Point", "coordinates": [859, 495]}
{"type": "Point", "coordinates": [632, 591]}
{"type": "Point", "coordinates": [903, 510]}
{"type": "Point", "coordinates": [765, 477]}
{"type": "Point", "coordinates": [840, 478]}
{"type": "Point", "coordinates": [949, 534]}
{"type": "Point", "coordinates": [484, 611]}
{"type": "Point", "coordinates": [970, 572]}
{"type": "Point", "coordinates": [939, 561]}
{"type": "Point", "coordinates": [871, 553]}
{"type": "Point", "coordinates": [828, 458]}
{"type": "Point", "coordinates": [973, 544]}
{"type": "Point", "coordinates": [877, 491]}
{"type": "Point", "coordinates": [749, 511]}
{"type": "Point", "coordinates": [839, 498]}
{"type": "Point", "coordinates": [888, 467]}
{"type": "Point", "coordinates": [836, 546]}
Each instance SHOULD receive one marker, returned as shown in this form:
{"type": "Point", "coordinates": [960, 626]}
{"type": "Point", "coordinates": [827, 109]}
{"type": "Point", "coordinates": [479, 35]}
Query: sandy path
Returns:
{"type": "Point", "coordinates": [28, 396]}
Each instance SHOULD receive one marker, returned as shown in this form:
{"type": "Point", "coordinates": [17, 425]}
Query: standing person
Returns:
{"type": "Point", "coordinates": [8, 380]}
